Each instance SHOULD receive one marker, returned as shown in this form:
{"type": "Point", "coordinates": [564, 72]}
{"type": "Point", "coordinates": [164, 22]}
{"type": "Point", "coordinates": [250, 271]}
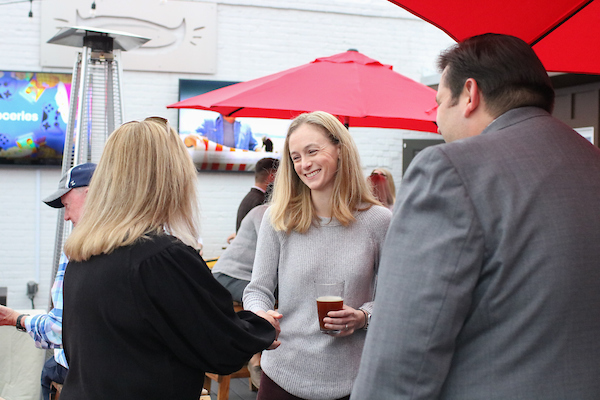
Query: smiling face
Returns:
{"type": "Point", "coordinates": [315, 158]}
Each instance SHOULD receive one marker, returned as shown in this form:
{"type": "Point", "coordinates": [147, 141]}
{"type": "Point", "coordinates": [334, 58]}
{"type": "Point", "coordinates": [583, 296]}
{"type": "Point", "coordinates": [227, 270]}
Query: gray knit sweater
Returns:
{"type": "Point", "coordinates": [236, 261]}
{"type": "Point", "coordinates": [310, 364]}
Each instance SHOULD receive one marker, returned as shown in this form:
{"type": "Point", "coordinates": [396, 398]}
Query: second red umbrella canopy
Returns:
{"type": "Point", "coordinates": [361, 91]}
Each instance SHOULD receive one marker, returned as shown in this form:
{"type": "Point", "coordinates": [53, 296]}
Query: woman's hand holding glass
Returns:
{"type": "Point", "coordinates": [346, 320]}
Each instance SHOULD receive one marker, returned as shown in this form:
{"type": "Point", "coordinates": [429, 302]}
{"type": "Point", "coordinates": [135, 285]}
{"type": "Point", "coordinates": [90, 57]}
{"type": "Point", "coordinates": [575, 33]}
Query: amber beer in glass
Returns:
{"type": "Point", "coordinates": [330, 297]}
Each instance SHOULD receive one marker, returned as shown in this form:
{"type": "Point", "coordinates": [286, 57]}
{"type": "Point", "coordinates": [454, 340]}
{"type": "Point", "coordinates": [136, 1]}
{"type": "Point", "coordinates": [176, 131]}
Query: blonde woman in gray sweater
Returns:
{"type": "Point", "coordinates": [324, 224]}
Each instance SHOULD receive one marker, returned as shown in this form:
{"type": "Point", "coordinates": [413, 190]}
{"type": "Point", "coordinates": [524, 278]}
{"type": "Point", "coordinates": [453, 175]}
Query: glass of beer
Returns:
{"type": "Point", "coordinates": [330, 297]}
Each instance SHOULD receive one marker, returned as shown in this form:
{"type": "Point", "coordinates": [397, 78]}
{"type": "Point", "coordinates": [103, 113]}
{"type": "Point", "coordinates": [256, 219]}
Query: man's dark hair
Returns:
{"type": "Point", "coordinates": [506, 69]}
{"type": "Point", "coordinates": [264, 167]}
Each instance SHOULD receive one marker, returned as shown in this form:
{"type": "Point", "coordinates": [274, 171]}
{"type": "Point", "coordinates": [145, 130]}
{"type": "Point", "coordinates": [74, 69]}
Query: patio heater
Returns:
{"type": "Point", "coordinates": [96, 107]}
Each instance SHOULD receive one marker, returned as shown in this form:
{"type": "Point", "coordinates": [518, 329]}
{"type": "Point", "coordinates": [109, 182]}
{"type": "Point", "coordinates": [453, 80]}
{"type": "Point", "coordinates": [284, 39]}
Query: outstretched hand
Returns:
{"type": "Point", "coordinates": [8, 316]}
{"type": "Point", "coordinates": [273, 317]}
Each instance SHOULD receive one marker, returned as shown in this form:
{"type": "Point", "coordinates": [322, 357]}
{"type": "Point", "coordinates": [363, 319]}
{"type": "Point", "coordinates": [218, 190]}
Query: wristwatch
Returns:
{"type": "Point", "coordinates": [367, 318]}
{"type": "Point", "coordinates": [21, 327]}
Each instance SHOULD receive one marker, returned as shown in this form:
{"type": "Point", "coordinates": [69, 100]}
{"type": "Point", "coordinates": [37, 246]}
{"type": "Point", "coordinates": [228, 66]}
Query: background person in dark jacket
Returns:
{"type": "Point", "coordinates": [264, 175]}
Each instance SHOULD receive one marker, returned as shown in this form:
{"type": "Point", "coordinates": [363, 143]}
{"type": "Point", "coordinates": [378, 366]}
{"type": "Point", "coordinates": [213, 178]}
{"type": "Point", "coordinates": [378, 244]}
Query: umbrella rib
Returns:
{"type": "Point", "coordinates": [234, 111]}
{"type": "Point", "coordinates": [560, 23]}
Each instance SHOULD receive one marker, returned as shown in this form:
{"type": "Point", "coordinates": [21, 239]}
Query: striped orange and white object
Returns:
{"type": "Point", "coordinates": [211, 156]}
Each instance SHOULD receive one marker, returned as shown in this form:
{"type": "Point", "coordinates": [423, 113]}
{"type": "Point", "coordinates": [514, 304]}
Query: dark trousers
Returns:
{"type": "Point", "coordinates": [52, 372]}
{"type": "Point", "coordinates": [235, 286]}
{"type": "Point", "coordinates": [269, 390]}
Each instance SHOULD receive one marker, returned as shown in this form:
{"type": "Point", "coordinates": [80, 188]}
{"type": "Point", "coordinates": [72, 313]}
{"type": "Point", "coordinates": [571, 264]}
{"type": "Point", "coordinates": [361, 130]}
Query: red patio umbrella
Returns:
{"type": "Point", "coordinates": [361, 91]}
{"type": "Point", "coordinates": [563, 33]}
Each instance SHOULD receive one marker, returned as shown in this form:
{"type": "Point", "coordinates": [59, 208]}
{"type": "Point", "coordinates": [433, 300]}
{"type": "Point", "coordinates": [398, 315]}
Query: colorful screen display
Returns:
{"type": "Point", "coordinates": [34, 110]}
{"type": "Point", "coordinates": [250, 138]}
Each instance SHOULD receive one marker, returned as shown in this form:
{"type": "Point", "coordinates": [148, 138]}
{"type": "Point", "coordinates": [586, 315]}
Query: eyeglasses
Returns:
{"type": "Point", "coordinates": [432, 109]}
{"type": "Point", "coordinates": [378, 173]}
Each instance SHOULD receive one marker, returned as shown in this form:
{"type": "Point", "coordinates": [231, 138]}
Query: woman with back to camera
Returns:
{"type": "Point", "coordinates": [324, 224]}
{"type": "Point", "coordinates": [143, 316]}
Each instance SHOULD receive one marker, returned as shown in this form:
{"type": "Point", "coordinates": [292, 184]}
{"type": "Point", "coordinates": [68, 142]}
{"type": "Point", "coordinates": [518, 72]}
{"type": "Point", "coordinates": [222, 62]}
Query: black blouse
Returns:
{"type": "Point", "coordinates": [146, 322]}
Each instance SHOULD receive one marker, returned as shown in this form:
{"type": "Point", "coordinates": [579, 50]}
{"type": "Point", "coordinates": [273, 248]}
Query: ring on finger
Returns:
{"type": "Point", "coordinates": [346, 326]}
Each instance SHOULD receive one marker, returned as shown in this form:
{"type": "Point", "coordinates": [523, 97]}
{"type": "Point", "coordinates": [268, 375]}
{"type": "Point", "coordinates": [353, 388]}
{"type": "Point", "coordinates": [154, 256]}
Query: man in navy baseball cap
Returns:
{"type": "Point", "coordinates": [46, 329]}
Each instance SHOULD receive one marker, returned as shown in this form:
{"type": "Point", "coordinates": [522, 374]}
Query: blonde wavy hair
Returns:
{"type": "Point", "coordinates": [292, 208]}
{"type": "Point", "coordinates": [145, 183]}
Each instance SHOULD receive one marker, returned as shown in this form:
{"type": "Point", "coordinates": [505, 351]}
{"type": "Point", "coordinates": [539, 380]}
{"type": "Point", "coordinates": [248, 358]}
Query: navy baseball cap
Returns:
{"type": "Point", "coordinates": [78, 176]}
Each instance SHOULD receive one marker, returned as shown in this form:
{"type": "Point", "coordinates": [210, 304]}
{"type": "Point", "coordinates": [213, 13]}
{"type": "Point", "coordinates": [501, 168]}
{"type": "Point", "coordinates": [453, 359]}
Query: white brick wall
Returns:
{"type": "Point", "coordinates": [255, 38]}
{"type": "Point", "coordinates": [21, 261]}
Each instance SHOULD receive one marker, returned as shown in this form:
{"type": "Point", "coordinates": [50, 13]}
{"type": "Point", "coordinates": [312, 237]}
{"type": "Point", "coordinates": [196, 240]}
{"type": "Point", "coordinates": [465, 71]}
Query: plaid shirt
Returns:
{"type": "Point", "coordinates": [46, 329]}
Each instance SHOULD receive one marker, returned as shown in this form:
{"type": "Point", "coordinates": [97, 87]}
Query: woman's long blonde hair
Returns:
{"type": "Point", "coordinates": [292, 208]}
{"type": "Point", "coordinates": [145, 183]}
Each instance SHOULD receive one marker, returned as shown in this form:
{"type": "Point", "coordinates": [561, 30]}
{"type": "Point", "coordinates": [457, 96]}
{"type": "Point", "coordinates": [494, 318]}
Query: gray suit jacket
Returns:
{"type": "Point", "coordinates": [489, 282]}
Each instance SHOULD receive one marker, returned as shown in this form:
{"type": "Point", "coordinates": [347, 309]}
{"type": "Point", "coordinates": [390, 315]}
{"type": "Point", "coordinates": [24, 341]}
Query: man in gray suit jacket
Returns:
{"type": "Point", "coordinates": [489, 283]}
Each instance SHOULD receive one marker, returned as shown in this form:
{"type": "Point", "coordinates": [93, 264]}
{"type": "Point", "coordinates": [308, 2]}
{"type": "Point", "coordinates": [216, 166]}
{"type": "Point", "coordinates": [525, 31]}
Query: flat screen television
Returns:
{"type": "Point", "coordinates": [208, 155]}
{"type": "Point", "coordinates": [34, 110]}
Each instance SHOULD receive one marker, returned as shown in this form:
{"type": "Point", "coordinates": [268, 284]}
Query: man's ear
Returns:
{"type": "Point", "coordinates": [473, 96]}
